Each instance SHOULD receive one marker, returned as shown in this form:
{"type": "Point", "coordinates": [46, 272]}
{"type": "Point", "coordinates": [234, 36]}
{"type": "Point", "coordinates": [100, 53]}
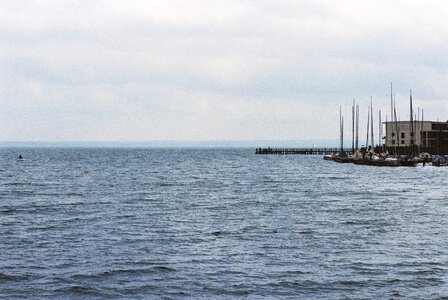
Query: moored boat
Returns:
{"type": "Point", "coordinates": [387, 162]}
{"type": "Point", "coordinates": [329, 157]}
{"type": "Point", "coordinates": [342, 157]}
{"type": "Point", "coordinates": [440, 161]}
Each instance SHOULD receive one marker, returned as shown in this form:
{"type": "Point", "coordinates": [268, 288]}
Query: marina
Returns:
{"type": "Point", "coordinates": [404, 144]}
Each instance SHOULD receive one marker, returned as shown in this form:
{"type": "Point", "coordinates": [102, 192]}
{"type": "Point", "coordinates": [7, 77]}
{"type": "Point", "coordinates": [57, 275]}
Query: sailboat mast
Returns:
{"type": "Point", "coordinates": [421, 130]}
{"type": "Point", "coordinates": [396, 131]}
{"type": "Point", "coordinates": [412, 123]}
{"type": "Point", "coordinates": [419, 126]}
{"type": "Point", "coordinates": [353, 126]}
{"type": "Point", "coordinates": [342, 135]}
{"type": "Point", "coordinates": [371, 124]}
{"type": "Point", "coordinates": [340, 127]}
{"type": "Point", "coordinates": [380, 129]}
{"type": "Point", "coordinates": [392, 117]}
{"type": "Point", "coordinates": [391, 104]}
{"type": "Point", "coordinates": [385, 140]}
{"type": "Point", "coordinates": [357, 127]}
{"type": "Point", "coordinates": [368, 125]}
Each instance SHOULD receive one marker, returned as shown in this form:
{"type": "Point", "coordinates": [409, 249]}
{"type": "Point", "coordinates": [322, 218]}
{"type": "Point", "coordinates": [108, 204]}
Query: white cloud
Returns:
{"type": "Point", "coordinates": [139, 70]}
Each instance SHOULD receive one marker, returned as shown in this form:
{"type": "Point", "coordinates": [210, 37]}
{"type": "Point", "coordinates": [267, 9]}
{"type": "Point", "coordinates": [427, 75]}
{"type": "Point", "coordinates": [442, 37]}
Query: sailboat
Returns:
{"type": "Point", "coordinates": [372, 159]}
{"type": "Point", "coordinates": [341, 156]}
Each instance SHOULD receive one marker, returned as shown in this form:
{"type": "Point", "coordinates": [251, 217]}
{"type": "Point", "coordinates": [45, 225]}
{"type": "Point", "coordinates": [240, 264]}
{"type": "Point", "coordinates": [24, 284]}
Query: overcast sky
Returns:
{"type": "Point", "coordinates": [214, 70]}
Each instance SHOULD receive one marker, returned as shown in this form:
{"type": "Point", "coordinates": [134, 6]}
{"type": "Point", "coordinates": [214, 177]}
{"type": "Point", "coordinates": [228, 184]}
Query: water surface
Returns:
{"type": "Point", "coordinates": [217, 223]}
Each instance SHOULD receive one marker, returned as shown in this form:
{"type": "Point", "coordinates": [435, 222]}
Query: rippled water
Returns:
{"type": "Point", "coordinates": [218, 223]}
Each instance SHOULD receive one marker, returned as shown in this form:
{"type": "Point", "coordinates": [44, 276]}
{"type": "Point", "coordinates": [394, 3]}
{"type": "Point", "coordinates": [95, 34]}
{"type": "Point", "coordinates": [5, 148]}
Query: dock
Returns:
{"type": "Point", "coordinates": [300, 151]}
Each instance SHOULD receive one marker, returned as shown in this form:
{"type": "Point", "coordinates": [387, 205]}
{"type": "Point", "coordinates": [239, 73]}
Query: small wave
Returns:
{"type": "Point", "coordinates": [16, 183]}
{"type": "Point", "coordinates": [356, 222]}
{"type": "Point", "coordinates": [7, 277]}
{"type": "Point", "coordinates": [254, 228]}
{"type": "Point", "coordinates": [127, 216]}
{"type": "Point", "coordinates": [80, 290]}
{"type": "Point", "coordinates": [351, 282]}
{"type": "Point", "coordinates": [21, 193]}
{"type": "Point", "coordinates": [164, 269]}
{"type": "Point", "coordinates": [75, 194]}
{"type": "Point", "coordinates": [119, 272]}
{"type": "Point", "coordinates": [422, 272]}
{"type": "Point", "coordinates": [124, 272]}
{"type": "Point", "coordinates": [7, 211]}
{"type": "Point", "coordinates": [56, 194]}
{"type": "Point", "coordinates": [333, 177]}
{"type": "Point", "coordinates": [233, 291]}
{"type": "Point", "coordinates": [295, 284]}
{"type": "Point", "coordinates": [83, 276]}
{"type": "Point", "coordinates": [306, 231]}
{"type": "Point", "coordinates": [425, 282]}
{"type": "Point", "coordinates": [44, 228]}
{"type": "Point", "coordinates": [295, 272]}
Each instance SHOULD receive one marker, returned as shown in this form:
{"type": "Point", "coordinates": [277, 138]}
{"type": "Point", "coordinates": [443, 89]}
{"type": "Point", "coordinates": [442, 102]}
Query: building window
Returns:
{"type": "Point", "coordinates": [402, 135]}
{"type": "Point", "coordinates": [393, 142]}
{"type": "Point", "coordinates": [402, 142]}
{"type": "Point", "coordinates": [393, 133]}
{"type": "Point", "coordinates": [439, 126]}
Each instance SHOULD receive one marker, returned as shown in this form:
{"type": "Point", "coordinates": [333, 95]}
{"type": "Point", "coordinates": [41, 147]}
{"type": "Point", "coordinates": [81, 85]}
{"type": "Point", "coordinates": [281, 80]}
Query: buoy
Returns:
{"type": "Point", "coordinates": [85, 171]}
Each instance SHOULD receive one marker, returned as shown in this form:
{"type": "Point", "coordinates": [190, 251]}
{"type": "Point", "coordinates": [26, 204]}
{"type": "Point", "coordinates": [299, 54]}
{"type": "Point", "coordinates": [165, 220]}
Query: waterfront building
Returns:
{"type": "Point", "coordinates": [404, 137]}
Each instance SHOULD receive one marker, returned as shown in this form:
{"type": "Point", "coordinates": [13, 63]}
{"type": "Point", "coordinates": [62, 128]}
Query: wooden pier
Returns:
{"type": "Point", "coordinates": [300, 151]}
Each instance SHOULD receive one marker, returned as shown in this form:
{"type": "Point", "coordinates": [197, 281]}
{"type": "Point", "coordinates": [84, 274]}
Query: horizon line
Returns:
{"type": "Point", "coordinates": [175, 143]}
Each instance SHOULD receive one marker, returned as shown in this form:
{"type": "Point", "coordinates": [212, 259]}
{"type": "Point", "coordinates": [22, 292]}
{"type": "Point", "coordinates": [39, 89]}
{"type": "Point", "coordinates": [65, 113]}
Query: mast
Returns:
{"type": "Point", "coordinates": [353, 127]}
{"type": "Point", "coordinates": [412, 144]}
{"type": "Point", "coordinates": [385, 140]}
{"type": "Point", "coordinates": [357, 127]}
{"type": "Point", "coordinates": [391, 105]}
{"type": "Point", "coordinates": [392, 115]}
{"type": "Point", "coordinates": [421, 130]}
{"type": "Point", "coordinates": [372, 139]}
{"type": "Point", "coordinates": [396, 131]}
{"type": "Point", "coordinates": [342, 135]}
{"type": "Point", "coordinates": [380, 129]}
{"type": "Point", "coordinates": [368, 125]}
{"type": "Point", "coordinates": [419, 126]}
{"type": "Point", "coordinates": [341, 128]}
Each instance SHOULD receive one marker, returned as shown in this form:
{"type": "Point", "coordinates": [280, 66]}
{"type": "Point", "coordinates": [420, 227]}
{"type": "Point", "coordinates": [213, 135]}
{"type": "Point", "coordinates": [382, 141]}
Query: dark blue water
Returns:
{"type": "Point", "coordinates": [218, 223]}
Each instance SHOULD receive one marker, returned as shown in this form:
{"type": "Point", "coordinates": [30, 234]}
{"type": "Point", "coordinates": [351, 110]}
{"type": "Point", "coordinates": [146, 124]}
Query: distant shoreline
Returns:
{"type": "Point", "coordinates": [169, 144]}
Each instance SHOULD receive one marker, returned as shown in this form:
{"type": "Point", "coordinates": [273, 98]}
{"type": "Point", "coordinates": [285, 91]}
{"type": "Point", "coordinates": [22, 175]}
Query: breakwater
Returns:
{"type": "Point", "coordinates": [300, 151]}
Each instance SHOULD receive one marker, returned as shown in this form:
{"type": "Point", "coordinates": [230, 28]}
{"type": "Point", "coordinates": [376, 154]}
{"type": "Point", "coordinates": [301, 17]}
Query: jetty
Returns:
{"type": "Point", "coordinates": [300, 151]}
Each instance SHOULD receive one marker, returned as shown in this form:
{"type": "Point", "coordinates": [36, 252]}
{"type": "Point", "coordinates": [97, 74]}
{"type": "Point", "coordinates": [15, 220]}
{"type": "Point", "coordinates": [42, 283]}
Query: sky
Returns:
{"type": "Point", "coordinates": [214, 70]}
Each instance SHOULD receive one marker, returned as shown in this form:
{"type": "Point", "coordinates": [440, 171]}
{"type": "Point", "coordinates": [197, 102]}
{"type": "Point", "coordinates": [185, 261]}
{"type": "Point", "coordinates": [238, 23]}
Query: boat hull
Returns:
{"type": "Point", "coordinates": [343, 160]}
{"type": "Point", "coordinates": [386, 163]}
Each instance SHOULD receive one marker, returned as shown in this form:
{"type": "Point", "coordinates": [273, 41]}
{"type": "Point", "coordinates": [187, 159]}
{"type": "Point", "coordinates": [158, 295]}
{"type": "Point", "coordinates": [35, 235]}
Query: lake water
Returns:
{"type": "Point", "coordinates": [218, 223]}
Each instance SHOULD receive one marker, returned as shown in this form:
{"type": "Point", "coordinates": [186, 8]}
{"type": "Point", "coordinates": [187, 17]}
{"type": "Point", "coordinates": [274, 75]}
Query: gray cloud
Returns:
{"type": "Point", "coordinates": [139, 70]}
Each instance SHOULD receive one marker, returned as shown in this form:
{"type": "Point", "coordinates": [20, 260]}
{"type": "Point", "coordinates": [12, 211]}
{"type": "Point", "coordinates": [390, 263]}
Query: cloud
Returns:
{"type": "Point", "coordinates": [118, 70]}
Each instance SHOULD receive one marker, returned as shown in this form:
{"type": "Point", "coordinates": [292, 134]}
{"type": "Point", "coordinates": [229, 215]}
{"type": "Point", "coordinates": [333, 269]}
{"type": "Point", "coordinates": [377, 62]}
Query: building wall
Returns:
{"type": "Point", "coordinates": [404, 133]}
{"type": "Point", "coordinates": [430, 137]}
